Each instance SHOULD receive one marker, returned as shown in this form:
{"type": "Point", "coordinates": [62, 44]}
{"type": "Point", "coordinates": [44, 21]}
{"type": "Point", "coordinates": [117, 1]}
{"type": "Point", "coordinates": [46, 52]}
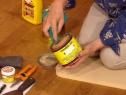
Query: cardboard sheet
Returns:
{"type": "Point", "coordinates": [93, 71]}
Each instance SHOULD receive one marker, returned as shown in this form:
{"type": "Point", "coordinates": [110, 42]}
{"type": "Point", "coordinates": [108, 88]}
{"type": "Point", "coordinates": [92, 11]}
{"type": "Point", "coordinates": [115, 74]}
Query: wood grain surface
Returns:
{"type": "Point", "coordinates": [18, 37]}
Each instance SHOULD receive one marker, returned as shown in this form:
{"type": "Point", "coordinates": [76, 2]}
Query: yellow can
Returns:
{"type": "Point", "coordinates": [32, 11]}
{"type": "Point", "coordinates": [67, 50]}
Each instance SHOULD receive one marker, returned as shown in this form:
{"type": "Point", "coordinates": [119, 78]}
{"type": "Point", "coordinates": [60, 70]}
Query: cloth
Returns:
{"type": "Point", "coordinates": [114, 30]}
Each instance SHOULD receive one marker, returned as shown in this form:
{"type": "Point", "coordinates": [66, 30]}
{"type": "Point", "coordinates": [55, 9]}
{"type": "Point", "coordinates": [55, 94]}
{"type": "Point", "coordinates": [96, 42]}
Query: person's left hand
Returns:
{"type": "Point", "coordinates": [89, 50]}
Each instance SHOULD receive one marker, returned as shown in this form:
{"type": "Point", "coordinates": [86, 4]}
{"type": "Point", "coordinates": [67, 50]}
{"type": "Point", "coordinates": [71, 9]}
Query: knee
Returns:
{"type": "Point", "coordinates": [111, 60]}
{"type": "Point", "coordinates": [113, 66]}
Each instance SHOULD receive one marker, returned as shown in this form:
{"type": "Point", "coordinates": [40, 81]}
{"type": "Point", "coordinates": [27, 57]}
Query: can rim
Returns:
{"type": "Point", "coordinates": [54, 50]}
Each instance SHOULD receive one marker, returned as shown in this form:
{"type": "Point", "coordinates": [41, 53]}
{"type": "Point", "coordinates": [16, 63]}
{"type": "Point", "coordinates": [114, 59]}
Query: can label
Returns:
{"type": "Point", "coordinates": [69, 52]}
{"type": "Point", "coordinates": [8, 79]}
{"type": "Point", "coordinates": [28, 8]}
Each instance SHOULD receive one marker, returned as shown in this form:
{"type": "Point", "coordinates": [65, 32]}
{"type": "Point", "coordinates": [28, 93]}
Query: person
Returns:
{"type": "Point", "coordinates": [109, 41]}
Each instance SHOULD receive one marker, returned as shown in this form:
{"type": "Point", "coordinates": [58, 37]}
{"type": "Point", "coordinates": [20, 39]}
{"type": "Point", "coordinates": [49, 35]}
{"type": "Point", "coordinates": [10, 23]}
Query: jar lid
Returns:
{"type": "Point", "coordinates": [48, 60]}
{"type": "Point", "coordinates": [8, 71]}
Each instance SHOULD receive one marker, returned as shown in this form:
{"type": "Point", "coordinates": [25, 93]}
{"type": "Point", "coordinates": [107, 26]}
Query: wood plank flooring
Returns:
{"type": "Point", "coordinates": [18, 37]}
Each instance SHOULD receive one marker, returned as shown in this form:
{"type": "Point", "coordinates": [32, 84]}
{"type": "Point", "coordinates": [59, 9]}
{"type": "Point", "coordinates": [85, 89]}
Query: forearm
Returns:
{"type": "Point", "coordinates": [94, 46]}
{"type": "Point", "coordinates": [98, 44]}
{"type": "Point", "coordinates": [61, 2]}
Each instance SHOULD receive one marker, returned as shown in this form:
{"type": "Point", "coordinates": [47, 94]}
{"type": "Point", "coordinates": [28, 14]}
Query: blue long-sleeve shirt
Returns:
{"type": "Point", "coordinates": [114, 30]}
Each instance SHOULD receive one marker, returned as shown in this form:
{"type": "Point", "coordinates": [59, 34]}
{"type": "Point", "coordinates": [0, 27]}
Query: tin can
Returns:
{"type": "Point", "coordinates": [66, 50]}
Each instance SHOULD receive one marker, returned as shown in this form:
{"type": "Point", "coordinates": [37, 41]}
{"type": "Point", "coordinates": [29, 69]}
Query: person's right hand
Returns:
{"type": "Point", "coordinates": [55, 18]}
{"type": "Point", "coordinates": [89, 50]}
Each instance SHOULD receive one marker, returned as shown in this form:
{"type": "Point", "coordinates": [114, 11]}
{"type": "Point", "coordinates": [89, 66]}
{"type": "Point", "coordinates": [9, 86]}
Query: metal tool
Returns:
{"type": "Point", "coordinates": [24, 74]}
{"type": "Point", "coordinates": [48, 61]}
{"type": "Point", "coordinates": [27, 83]}
{"type": "Point", "coordinates": [2, 88]}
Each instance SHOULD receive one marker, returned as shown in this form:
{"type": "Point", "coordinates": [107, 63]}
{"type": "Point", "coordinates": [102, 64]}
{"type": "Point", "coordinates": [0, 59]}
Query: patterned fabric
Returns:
{"type": "Point", "coordinates": [114, 30]}
{"type": "Point", "coordinates": [70, 4]}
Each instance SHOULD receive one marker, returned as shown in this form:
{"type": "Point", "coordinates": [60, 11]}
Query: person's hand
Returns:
{"type": "Point", "coordinates": [89, 50]}
{"type": "Point", "coordinates": [55, 18]}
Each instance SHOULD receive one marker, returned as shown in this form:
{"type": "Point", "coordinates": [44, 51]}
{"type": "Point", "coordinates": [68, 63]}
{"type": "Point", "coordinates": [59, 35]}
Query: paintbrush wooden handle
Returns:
{"type": "Point", "coordinates": [26, 84]}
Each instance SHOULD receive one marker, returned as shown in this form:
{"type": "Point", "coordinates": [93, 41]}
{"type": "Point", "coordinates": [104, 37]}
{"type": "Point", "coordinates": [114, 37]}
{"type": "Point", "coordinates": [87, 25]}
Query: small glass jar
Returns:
{"type": "Point", "coordinates": [8, 73]}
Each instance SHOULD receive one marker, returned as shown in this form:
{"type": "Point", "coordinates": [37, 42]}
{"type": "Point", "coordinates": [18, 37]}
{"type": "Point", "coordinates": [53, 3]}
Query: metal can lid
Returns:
{"type": "Point", "coordinates": [48, 60]}
{"type": "Point", "coordinates": [8, 71]}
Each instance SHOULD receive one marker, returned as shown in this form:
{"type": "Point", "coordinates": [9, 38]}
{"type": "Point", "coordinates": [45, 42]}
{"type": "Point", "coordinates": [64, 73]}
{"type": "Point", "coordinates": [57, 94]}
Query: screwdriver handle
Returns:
{"type": "Point", "coordinates": [26, 72]}
{"type": "Point", "coordinates": [22, 72]}
{"type": "Point", "coordinates": [31, 71]}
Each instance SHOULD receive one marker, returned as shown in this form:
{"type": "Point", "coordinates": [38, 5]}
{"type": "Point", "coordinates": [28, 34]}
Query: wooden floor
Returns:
{"type": "Point", "coordinates": [18, 37]}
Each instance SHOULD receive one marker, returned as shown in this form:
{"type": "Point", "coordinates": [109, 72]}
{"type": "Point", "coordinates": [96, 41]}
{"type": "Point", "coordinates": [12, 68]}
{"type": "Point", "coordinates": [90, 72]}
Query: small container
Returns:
{"type": "Point", "coordinates": [8, 73]}
{"type": "Point", "coordinates": [66, 50]}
